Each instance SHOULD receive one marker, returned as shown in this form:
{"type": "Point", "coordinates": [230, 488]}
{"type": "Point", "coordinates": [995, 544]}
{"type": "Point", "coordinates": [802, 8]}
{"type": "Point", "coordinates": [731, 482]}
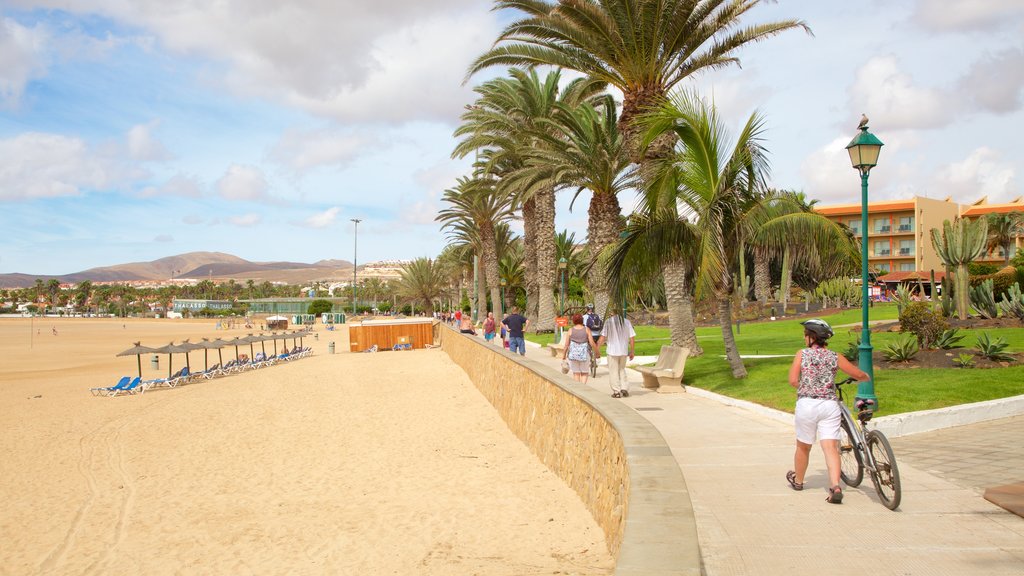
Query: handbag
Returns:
{"type": "Point", "coordinates": [565, 366]}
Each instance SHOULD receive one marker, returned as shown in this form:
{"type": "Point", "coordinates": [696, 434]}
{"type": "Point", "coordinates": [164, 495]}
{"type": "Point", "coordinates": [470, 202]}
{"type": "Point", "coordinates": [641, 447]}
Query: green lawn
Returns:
{"type": "Point", "coordinates": [897, 390]}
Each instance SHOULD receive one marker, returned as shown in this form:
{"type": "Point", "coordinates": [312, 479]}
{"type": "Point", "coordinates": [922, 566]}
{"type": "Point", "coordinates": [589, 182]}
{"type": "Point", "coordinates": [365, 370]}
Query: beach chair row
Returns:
{"type": "Point", "coordinates": [129, 385]}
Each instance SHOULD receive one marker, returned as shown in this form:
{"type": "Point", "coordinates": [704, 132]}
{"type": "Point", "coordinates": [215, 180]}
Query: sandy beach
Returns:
{"type": "Point", "coordinates": [388, 463]}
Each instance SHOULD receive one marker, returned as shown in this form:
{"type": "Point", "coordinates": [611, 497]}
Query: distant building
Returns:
{"type": "Point", "coordinates": [194, 305]}
{"type": "Point", "coordinates": [290, 306]}
{"type": "Point", "coordinates": [899, 231]}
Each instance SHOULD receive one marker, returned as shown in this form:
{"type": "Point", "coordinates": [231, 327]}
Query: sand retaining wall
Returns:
{"type": "Point", "coordinates": [616, 461]}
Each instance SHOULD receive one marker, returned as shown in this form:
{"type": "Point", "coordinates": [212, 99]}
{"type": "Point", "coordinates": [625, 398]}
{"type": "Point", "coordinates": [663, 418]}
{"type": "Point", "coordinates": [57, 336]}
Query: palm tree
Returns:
{"type": "Point", "coordinates": [477, 208]}
{"type": "Point", "coordinates": [642, 47]}
{"type": "Point", "coordinates": [1003, 230]}
{"type": "Point", "coordinates": [502, 127]}
{"type": "Point", "coordinates": [422, 281]}
{"type": "Point", "coordinates": [581, 148]}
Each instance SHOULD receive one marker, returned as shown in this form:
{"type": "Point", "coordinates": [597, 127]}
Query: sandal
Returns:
{"type": "Point", "coordinates": [616, 395]}
{"type": "Point", "coordinates": [791, 478]}
{"type": "Point", "coordinates": [625, 393]}
{"type": "Point", "coordinates": [835, 495]}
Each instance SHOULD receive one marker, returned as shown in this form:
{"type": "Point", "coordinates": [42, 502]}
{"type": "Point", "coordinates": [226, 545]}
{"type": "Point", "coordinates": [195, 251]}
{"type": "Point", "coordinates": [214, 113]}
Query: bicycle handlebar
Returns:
{"type": "Point", "coordinates": [847, 381]}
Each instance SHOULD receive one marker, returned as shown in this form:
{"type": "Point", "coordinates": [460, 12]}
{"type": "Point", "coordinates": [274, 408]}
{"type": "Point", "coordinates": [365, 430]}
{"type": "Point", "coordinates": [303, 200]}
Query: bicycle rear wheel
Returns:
{"type": "Point", "coordinates": [851, 463]}
{"type": "Point", "coordinates": [887, 475]}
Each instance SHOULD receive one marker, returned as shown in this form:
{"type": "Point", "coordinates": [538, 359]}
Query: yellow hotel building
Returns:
{"type": "Point", "coordinates": [899, 231]}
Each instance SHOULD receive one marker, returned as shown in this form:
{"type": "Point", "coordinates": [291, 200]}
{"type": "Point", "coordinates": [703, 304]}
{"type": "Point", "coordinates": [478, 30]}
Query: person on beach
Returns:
{"type": "Point", "coordinates": [620, 337]}
{"type": "Point", "coordinates": [581, 345]}
{"type": "Point", "coordinates": [489, 325]}
{"type": "Point", "coordinates": [517, 325]}
{"type": "Point", "coordinates": [813, 374]}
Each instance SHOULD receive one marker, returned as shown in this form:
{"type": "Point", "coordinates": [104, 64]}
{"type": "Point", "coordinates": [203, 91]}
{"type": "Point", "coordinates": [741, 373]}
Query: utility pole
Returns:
{"type": "Point", "coordinates": [355, 260]}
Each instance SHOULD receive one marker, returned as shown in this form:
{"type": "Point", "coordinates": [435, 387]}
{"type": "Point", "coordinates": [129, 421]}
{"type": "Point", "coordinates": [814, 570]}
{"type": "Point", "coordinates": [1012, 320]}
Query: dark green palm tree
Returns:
{"type": "Point", "coordinates": [422, 281]}
{"type": "Point", "coordinates": [501, 127]}
{"type": "Point", "coordinates": [476, 209]}
{"type": "Point", "coordinates": [581, 148]}
{"type": "Point", "coordinates": [1003, 229]}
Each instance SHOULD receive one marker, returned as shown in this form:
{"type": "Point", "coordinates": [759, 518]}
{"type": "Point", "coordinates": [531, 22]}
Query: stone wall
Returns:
{"type": "Point", "coordinates": [616, 461]}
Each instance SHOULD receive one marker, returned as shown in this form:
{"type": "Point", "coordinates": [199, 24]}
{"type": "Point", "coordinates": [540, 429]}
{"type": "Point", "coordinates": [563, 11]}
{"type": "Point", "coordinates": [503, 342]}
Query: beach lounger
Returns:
{"type": "Point", "coordinates": [105, 390]}
{"type": "Point", "coordinates": [207, 374]}
{"type": "Point", "coordinates": [132, 387]}
{"type": "Point", "coordinates": [183, 376]}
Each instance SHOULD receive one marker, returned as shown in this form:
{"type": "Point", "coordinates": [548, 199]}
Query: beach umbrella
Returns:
{"type": "Point", "coordinates": [137, 350]}
{"type": "Point", "coordinates": [171, 349]}
{"type": "Point", "coordinates": [251, 340]}
{"type": "Point", "coordinates": [235, 342]}
{"type": "Point", "coordinates": [263, 344]}
{"type": "Point", "coordinates": [273, 336]}
{"type": "Point", "coordinates": [215, 344]}
{"type": "Point", "coordinates": [188, 346]}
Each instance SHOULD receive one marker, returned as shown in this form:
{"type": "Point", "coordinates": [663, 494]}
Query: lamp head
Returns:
{"type": "Point", "coordinates": [864, 150]}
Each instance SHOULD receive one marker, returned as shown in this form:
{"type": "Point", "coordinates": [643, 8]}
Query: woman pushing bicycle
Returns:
{"type": "Point", "coordinates": [813, 374]}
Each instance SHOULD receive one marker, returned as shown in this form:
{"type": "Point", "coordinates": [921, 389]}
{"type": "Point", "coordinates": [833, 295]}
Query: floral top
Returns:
{"type": "Point", "coordinates": [818, 368]}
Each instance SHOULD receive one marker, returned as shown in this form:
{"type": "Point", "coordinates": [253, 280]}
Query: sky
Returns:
{"type": "Point", "coordinates": [131, 131]}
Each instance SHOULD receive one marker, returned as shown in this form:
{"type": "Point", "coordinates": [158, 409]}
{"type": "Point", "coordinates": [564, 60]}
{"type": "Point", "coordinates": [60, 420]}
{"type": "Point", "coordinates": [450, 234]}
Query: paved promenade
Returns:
{"type": "Point", "coordinates": [750, 522]}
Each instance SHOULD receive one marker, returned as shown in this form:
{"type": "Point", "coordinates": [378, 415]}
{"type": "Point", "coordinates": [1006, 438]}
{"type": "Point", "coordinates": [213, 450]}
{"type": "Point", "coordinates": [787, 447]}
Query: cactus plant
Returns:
{"type": "Point", "coordinates": [1012, 304]}
{"type": "Point", "coordinates": [957, 245]}
{"type": "Point", "coordinates": [983, 300]}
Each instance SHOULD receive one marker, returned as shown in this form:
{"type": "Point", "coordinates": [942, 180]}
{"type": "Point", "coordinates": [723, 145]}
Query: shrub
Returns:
{"type": "Point", "coordinates": [1001, 280]}
{"type": "Point", "coordinates": [318, 307]}
{"type": "Point", "coordinates": [964, 361]}
{"type": "Point", "coordinates": [993, 349]}
{"type": "Point", "coordinates": [919, 319]}
{"type": "Point", "coordinates": [949, 339]}
{"type": "Point", "coordinates": [852, 352]}
{"type": "Point", "coordinates": [901, 350]}
{"type": "Point", "coordinates": [981, 268]}
{"type": "Point", "coordinates": [903, 297]}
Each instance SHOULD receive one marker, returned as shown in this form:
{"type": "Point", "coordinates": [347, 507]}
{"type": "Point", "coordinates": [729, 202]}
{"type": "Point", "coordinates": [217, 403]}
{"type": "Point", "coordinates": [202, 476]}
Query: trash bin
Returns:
{"type": "Point", "coordinates": [330, 348]}
{"type": "Point", "coordinates": [154, 362]}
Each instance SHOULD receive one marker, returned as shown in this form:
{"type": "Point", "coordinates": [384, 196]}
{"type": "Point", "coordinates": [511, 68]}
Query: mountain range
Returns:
{"type": "Point", "coordinates": [215, 266]}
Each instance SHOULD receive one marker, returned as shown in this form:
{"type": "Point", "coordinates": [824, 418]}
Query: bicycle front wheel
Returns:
{"type": "Point", "coordinates": [887, 475]}
{"type": "Point", "coordinates": [851, 463]}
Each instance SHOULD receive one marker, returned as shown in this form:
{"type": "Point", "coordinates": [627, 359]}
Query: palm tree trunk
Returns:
{"type": "Point", "coordinates": [679, 300]}
{"type": "Point", "coordinates": [530, 259]}
{"type": "Point", "coordinates": [547, 268]}
{"type": "Point", "coordinates": [732, 353]}
{"type": "Point", "coordinates": [490, 250]}
{"type": "Point", "coordinates": [602, 231]}
{"type": "Point", "coordinates": [762, 275]}
{"type": "Point", "coordinates": [787, 279]}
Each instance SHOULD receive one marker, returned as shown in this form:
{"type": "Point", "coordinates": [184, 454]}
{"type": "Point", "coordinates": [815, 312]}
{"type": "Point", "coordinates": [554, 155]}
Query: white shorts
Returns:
{"type": "Point", "coordinates": [817, 417]}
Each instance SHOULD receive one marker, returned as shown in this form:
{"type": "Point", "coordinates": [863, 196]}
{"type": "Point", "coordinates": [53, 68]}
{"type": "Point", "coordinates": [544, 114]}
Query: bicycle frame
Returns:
{"type": "Point", "coordinates": [857, 429]}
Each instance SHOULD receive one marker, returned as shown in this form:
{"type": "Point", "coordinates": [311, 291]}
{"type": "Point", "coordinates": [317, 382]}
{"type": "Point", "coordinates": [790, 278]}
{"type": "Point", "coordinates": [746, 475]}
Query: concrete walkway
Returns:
{"type": "Point", "coordinates": [750, 522]}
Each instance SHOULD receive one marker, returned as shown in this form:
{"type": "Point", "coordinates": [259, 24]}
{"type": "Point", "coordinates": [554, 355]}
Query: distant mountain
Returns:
{"type": "Point", "coordinates": [197, 265]}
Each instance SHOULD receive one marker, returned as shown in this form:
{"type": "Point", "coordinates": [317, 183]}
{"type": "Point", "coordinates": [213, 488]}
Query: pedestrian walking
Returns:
{"type": "Point", "coordinates": [581, 346]}
{"type": "Point", "coordinates": [489, 327]}
{"type": "Point", "coordinates": [620, 338]}
{"type": "Point", "coordinates": [517, 325]}
{"type": "Point", "coordinates": [817, 413]}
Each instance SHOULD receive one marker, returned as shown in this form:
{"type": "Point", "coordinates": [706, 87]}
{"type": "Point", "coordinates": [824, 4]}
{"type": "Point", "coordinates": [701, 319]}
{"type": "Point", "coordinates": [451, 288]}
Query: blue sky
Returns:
{"type": "Point", "coordinates": [134, 131]}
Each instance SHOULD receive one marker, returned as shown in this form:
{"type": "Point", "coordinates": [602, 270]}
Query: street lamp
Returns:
{"type": "Point", "coordinates": [562, 264]}
{"type": "Point", "coordinates": [864, 150]}
{"type": "Point", "coordinates": [503, 284]}
{"type": "Point", "coordinates": [355, 260]}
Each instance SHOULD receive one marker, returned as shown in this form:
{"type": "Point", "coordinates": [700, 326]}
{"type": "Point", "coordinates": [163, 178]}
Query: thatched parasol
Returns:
{"type": "Point", "coordinates": [171, 349]}
{"type": "Point", "coordinates": [214, 344]}
{"type": "Point", "coordinates": [137, 350]}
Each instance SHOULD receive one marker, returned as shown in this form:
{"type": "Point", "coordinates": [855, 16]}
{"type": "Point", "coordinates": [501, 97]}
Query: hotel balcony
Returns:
{"type": "Point", "coordinates": [881, 254]}
{"type": "Point", "coordinates": [906, 251]}
{"type": "Point", "coordinates": [905, 229]}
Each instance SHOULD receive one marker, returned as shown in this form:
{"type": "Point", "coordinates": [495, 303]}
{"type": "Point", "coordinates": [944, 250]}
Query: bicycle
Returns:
{"type": "Point", "coordinates": [860, 449]}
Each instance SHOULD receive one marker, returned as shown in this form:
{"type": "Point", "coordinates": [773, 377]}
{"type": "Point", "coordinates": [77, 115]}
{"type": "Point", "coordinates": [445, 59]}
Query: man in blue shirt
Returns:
{"type": "Point", "coordinates": [517, 324]}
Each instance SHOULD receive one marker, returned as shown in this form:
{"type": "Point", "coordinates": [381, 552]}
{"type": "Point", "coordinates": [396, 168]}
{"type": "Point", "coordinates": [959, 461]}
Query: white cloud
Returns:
{"type": "Point", "coordinates": [242, 183]}
{"type": "Point", "coordinates": [348, 59]}
{"type": "Point", "coordinates": [180, 185]}
{"type": "Point", "coordinates": [996, 82]}
{"type": "Point", "coordinates": [22, 59]}
{"type": "Point", "coordinates": [890, 99]}
{"type": "Point", "coordinates": [943, 15]}
{"type": "Point", "coordinates": [301, 151]}
{"type": "Point", "coordinates": [323, 219]}
{"type": "Point", "coordinates": [192, 219]}
{"type": "Point", "coordinates": [245, 220]}
{"type": "Point", "coordinates": [163, 238]}
{"type": "Point", "coordinates": [143, 146]}
{"type": "Point", "coordinates": [37, 165]}
{"type": "Point", "coordinates": [982, 173]}
{"type": "Point", "coordinates": [828, 174]}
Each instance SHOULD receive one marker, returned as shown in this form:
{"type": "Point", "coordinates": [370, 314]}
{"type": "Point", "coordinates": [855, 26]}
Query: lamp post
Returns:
{"type": "Point", "coordinates": [355, 260]}
{"type": "Point", "coordinates": [864, 150]}
{"type": "Point", "coordinates": [503, 284]}
{"type": "Point", "coordinates": [562, 264]}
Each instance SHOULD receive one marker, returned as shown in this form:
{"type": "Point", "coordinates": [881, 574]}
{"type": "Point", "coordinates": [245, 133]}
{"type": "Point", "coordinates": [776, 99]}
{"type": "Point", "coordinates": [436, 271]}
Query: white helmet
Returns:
{"type": "Point", "coordinates": [819, 328]}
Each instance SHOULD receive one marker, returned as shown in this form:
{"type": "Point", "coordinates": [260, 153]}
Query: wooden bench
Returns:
{"type": "Point", "coordinates": [558, 349]}
{"type": "Point", "coordinates": [667, 374]}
